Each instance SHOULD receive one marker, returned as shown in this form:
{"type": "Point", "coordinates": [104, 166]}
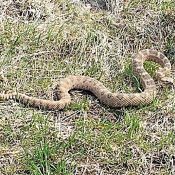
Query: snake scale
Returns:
{"type": "Point", "coordinates": [100, 91]}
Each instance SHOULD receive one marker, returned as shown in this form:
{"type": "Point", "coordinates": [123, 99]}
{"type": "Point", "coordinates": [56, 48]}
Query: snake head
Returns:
{"type": "Point", "coordinates": [163, 74]}
{"type": "Point", "coordinates": [168, 80]}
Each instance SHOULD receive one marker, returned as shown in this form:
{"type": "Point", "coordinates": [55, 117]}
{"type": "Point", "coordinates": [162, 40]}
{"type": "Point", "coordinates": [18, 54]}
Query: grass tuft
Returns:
{"type": "Point", "coordinates": [43, 41]}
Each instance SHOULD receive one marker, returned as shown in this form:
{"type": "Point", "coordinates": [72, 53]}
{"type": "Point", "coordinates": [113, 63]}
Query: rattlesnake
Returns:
{"type": "Point", "coordinates": [99, 90]}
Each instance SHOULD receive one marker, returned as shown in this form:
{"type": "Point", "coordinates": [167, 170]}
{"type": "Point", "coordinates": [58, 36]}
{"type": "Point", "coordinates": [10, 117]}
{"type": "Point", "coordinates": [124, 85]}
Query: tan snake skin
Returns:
{"type": "Point", "coordinates": [100, 91]}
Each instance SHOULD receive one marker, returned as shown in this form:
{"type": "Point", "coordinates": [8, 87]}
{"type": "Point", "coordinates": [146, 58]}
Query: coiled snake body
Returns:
{"type": "Point", "coordinates": [100, 91]}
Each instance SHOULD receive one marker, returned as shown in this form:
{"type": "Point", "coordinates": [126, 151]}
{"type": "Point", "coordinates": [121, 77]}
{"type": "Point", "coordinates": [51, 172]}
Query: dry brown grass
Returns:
{"type": "Point", "coordinates": [42, 41]}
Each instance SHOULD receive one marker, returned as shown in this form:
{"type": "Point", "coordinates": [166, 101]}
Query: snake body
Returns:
{"type": "Point", "coordinates": [99, 90]}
